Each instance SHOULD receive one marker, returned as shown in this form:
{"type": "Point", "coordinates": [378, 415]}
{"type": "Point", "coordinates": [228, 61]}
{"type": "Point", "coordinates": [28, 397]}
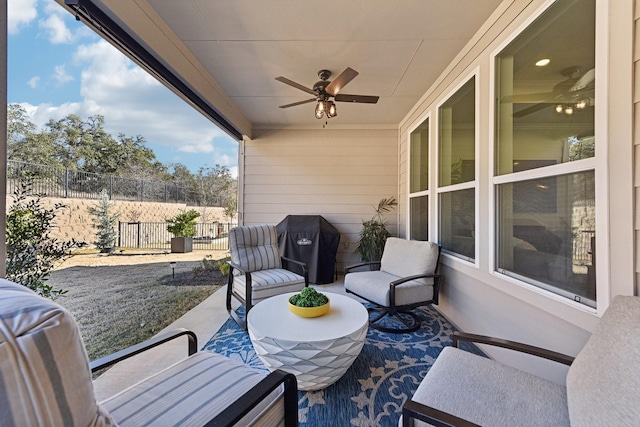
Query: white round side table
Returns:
{"type": "Point", "coordinates": [319, 350]}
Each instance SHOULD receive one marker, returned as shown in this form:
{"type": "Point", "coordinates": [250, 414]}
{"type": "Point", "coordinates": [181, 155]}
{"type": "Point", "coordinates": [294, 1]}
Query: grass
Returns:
{"type": "Point", "coordinates": [118, 306]}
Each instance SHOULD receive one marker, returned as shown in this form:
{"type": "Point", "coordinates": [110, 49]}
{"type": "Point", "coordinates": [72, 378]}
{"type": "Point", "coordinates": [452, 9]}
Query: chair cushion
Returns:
{"type": "Point", "coordinates": [489, 393]}
{"type": "Point", "coordinates": [404, 258]}
{"type": "Point", "coordinates": [191, 392]}
{"type": "Point", "coordinates": [267, 283]}
{"type": "Point", "coordinates": [604, 380]}
{"type": "Point", "coordinates": [44, 371]}
{"type": "Point", "coordinates": [374, 286]}
{"type": "Point", "coordinates": [255, 247]}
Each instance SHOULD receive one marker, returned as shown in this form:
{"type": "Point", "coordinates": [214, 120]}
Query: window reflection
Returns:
{"type": "Point", "coordinates": [419, 207]}
{"type": "Point", "coordinates": [544, 111]}
{"type": "Point", "coordinates": [457, 138]}
{"type": "Point", "coordinates": [457, 222]}
{"type": "Point", "coordinates": [546, 233]}
{"type": "Point", "coordinates": [419, 167]}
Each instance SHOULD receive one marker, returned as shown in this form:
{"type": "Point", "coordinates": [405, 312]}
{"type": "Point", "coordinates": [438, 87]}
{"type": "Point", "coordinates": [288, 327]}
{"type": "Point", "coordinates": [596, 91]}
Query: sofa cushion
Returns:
{"type": "Point", "coordinates": [603, 383]}
{"type": "Point", "coordinates": [255, 247]}
{"type": "Point", "coordinates": [44, 371]}
{"type": "Point", "coordinates": [374, 285]}
{"type": "Point", "coordinates": [268, 283]}
{"type": "Point", "coordinates": [191, 392]}
{"type": "Point", "coordinates": [405, 258]}
{"type": "Point", "coordinates": [489, 393]}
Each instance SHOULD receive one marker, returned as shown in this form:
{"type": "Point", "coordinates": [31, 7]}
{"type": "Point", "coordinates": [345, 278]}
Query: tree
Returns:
{"type": "Point", "coordinates": [31, 251]}
{"type": "Point", "coordinates": [24, 143]}
{"type": "Point", "coordinates": [104, 223]}
{"type": "Point", "coordinates": [216, 186]}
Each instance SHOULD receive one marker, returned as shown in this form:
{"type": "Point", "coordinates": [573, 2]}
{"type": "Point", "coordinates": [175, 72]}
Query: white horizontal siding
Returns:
{"type": "Point", "coordinates": [339, 174]}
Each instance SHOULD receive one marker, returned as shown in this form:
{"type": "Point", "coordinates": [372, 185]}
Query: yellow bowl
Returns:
{"type": "Point", "coordinates": [309, 311]}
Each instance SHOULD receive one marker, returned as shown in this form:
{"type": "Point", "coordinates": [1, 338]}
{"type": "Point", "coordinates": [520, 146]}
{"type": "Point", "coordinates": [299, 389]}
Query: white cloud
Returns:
{"type": "Point", "coordinates": [134, 103]}
{"type": "Point", "coordinates": [33, 82]}
{"type": "Point", "coordinates": [61, 76]}
{"type": "Point", "coordinates": [20, 13]}
{"type": "Point", "coordinates": [55, 29]}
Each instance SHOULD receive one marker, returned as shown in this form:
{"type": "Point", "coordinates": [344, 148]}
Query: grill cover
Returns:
{"type": "Point", "coordinates": [313, 240]}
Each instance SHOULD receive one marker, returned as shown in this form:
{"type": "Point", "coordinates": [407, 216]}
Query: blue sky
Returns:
{"type": "Point", "coordinates": [57, 66]}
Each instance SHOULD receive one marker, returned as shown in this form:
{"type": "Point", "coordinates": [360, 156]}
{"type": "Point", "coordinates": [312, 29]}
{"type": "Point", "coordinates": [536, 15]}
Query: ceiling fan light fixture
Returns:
{"type": "Point", "coordinates": [582, 104]}
{"type": "Point", "coordinates": [559, 109]}
{"type": "Point", "coordinates": [331, 110]}
{"type": "Point", "coordinates": [568, 110]}
{"type": "Point", "coordinates": [319, 109]}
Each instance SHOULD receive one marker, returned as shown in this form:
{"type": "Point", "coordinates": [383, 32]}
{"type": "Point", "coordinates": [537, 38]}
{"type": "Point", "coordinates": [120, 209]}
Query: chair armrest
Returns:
{"type": "Point", "coordinates": [513, 345]}
{"type": "Point", "coordinates": [413, 410]}
{"type": "Point", "coordinates": [410, 278]}
{"type": "Point", "coordinates": [235, 266]}
{"type": "Point", "coordinates": [303, 267]}
{"type": "Point", "coordinates": [128, 352]}
{"type": "Point", "coordinates": [238, 409]}
{"type": "Point", "coordinates": [369, 264]}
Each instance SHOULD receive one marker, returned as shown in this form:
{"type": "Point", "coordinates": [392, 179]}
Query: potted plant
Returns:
{"type": "Point", "coordinates": [374, 232]}
{"type": "Point", "coordinates": [183, 228]}
{"type": "Point", "coordinates": [309, 303]}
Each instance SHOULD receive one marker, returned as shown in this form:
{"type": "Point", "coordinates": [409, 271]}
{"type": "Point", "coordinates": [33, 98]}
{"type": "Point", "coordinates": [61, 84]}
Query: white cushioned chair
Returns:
{"type": "Point", "coordinates": [258, 271]}
{"type": "Point", "coordinates": [45, 378]}
{"type": "Point", "coordinates": [602, 387]}
{"type": "Point", "coordinates": [405, 278]}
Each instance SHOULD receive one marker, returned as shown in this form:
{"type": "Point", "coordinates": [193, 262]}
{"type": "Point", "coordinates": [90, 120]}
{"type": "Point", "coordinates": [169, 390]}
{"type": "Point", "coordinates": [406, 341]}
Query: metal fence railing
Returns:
{"type": "Point", "coordinates": [154, 235]}
{"type": "Point", "coordinates": [49, 181]}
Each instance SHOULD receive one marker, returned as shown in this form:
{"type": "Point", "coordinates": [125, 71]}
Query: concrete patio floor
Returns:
{"type": "Point", "coordinates": [204, 320]}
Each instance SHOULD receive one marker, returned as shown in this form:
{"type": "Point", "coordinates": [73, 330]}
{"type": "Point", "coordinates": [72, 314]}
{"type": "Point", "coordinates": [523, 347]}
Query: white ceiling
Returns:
{"type": "Point", "coordinates": [398, 47]}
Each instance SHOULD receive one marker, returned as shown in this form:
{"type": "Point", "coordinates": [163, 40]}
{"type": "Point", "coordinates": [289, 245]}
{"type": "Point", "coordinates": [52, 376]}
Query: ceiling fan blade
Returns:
{"type": "Point", "coordinates": [530, 110]}
{"type": "Point", "coordinates": [294, 84]}
{"type": "Point", "coordinates": [530, 98]}
{"type": "Point", "coordinates": [362, 99]}
{"type": "Point", "coordinates": [341, 81]}
{"type": "Point", "coordinates": [298, 103]}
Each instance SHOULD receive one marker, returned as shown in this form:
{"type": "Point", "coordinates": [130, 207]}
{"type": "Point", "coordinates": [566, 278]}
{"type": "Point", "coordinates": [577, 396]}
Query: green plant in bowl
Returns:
{"type": "Point", "coordinates": [309, 303]}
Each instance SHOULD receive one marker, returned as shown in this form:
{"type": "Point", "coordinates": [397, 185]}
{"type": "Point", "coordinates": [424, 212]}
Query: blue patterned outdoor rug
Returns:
{"type": "Point", "coordinates": [372, 391]}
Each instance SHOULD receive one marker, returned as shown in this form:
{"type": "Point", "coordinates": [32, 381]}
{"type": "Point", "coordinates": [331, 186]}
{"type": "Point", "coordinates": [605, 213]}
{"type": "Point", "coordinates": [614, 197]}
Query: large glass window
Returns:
{"type": "Point", "coordinates": [457, 171]}
{"type": "Point", "coordinates": [545, 152]}
{"type": "Point", "coordinates": [457, 132]}
{"type": "Point", "coordinates": [457, 222]}
{"type": "Point", "coordinates": [419, 182]}
{"type": "Point", "coordinates": [419, 211]}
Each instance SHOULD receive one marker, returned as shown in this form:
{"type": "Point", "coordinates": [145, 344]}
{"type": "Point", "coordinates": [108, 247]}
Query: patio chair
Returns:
{"type": "Point", "coordinates": [405, 278]}
{"type": "Point", "coordinates": [258, 271]}
{"type": "Point", "coordinates": [45, 378]}
{"type": "Point", "coordinates": [464, 389]}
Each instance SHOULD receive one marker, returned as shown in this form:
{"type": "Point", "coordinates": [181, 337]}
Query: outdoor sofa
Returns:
{"type": "Point", "coordinates": [602, 385]}
{"type": "Point", "coordinates": [45, 378]}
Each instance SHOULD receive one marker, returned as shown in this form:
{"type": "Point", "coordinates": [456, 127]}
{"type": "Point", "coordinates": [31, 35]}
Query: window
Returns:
{"type": "Point", "coordinates": [419, 182]}
{"type": "Point", "coordinates": [457, 172]}
{"type": "Point", "coordinates": [545, 152]}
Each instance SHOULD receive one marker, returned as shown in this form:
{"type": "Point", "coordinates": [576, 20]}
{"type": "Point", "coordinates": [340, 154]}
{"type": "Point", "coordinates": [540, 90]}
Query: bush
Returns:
{"type": "Point", "coordinates": [31, 251]}
{"type": "Point", "coordinates": [183, 224]}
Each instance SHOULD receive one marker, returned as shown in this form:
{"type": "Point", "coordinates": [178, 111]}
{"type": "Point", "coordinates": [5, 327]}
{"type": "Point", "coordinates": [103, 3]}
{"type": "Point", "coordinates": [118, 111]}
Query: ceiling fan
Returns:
{"type": "Point", "coordinates": [573, 94]}
{"type": "Point", "coordinates": [325, 92]}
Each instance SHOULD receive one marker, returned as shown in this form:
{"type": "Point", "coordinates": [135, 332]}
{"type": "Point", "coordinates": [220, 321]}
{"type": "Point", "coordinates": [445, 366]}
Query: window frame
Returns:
{"type": "Point", "coordinates": [423, 193]}
{"type": "Point", "coordinates": [598, 164]}
{"type": "Point", "coordinates": [474, 262]}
